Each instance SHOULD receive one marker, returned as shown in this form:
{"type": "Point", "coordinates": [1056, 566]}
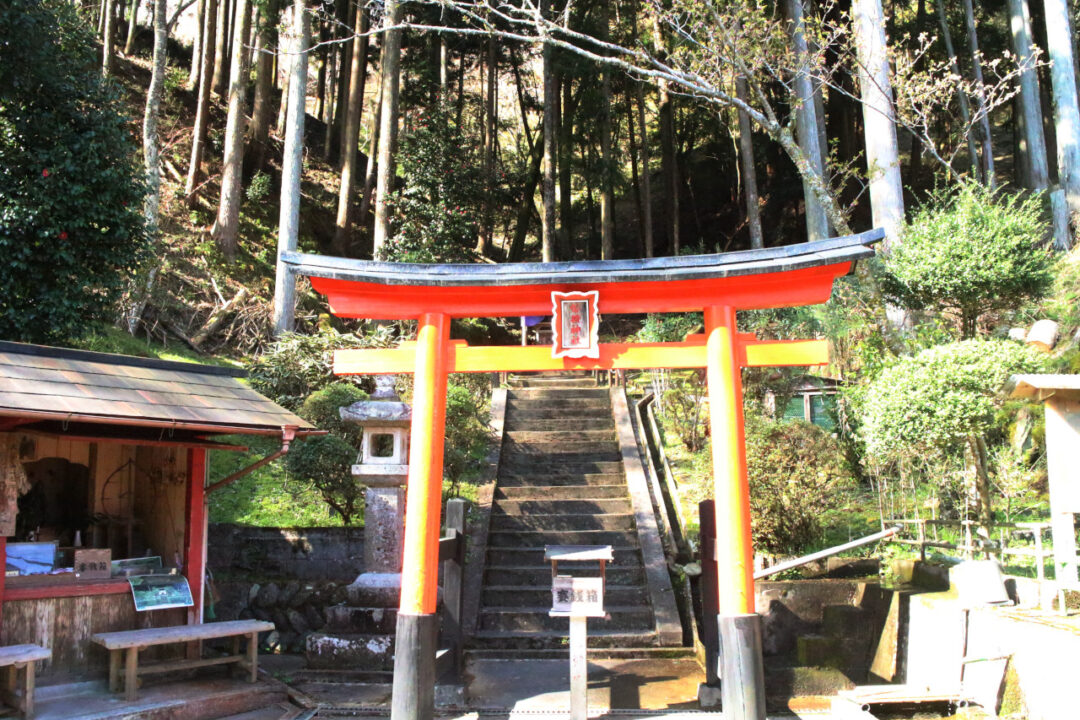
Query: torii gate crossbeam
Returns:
{"type": "Point", "coordinates": [719, 285]}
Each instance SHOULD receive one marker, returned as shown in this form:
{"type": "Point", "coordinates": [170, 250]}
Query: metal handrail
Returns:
{"type": "Point", "coordinates": [820, 554]}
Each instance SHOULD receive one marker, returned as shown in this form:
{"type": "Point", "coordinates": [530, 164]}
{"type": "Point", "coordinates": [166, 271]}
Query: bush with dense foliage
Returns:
{"type": "Point", "coordinates": [325, 461]}
{"type": "Point", "coordinates": [943, 402]}
{"type": "Point", "coordinates": [941, 396]}
{"type": "Point", "coordinates": [969, 253]}
{"type": "Point", "coordinates": [796, 471]}
{"type": "Point", "coordinates": [71, 191]}
{"type": "Point", "coordinates": [297, 365]}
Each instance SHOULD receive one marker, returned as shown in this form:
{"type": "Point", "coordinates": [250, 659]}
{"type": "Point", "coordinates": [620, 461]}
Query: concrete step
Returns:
{"type": "Point", "coordinates": [349, 619]}
{"type": "Point", "coordinates": [541, 424]}
{"type": "Point", "coordinates": [559, 435]}
{"type": "Point", "coordinates": [537, 619]}
{"type": "Point", "coordinates": [560, 492]}
{"type": "Point", "coordinates": [560, 400]}
{"type": "Point", "coordinates": [543, 393]}
{"type": "Point", "coordinates": [534, 557]}
{"type": "Point", "coordinates": [372, 652]}
{"type": "Point", "coordinates": [558, 522]}
{"type": "Point", "coordinates": [536, 576]}
{"type": "Point", "coordinates": [610, 474]}
{"type": "Point", "coordinates": [540, 595]}
{"type": "Point", "coordinates": [547, 639]}
{"type": "Point", "coordinates": [518, 539]}
{"type": "Point", "coordinates": [562, 507]}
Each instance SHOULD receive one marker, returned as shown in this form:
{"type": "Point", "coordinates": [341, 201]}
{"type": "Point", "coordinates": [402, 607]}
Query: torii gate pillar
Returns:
{"type": "Point", "coordinates": [742, 672]}
{"type": "Point", "coordinates": [417, 621]}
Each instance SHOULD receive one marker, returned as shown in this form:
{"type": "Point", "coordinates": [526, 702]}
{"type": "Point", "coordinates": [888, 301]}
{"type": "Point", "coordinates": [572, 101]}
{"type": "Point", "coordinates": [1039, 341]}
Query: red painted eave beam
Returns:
{"type": "Point", "coordinates": [808, 286]}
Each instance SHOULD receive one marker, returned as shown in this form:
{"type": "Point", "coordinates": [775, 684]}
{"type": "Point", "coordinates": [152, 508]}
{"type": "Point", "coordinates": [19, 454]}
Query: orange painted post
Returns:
{"type": "Point", "coordinates": [742, 672]}
{"type": "Point", "coordinates": [417, 622]}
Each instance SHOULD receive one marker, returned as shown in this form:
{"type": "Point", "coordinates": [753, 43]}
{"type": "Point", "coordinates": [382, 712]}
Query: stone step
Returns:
{"type": "Point", "coordinates": [537, 619]}
{"type": "Point", "coordinates": [349, 619]}
{"type": "Point", "coordinates": [560, 492]}
{"type": "Point", "coordinates": [544, 393]}
{"type": "Point", "coordinates": [372, 652]}
{"type": "Point", "coordinates": [560, 400]}
{"type": "Point", "coordinates": [542, 381]}
{"type": "Point", "coordinates": [534, 557]}
{"type": "Point", "coordinates": [619, 506]}
{"type": "Point", "coordinates": [560, 436]}
{"type": "Point", "coordinates": [610, 475]}
{"type": "Point", "coordinates": [540, 595]}
{"type": "Point", "coordinates": [555, 411]}
{"type": "Point", "coordinates": [518, 539]}
{"type": "Point", "coordinates": [561, 653]}
{"type": "Point", "coordinates": [568, 450]}
{"type": "Point", "coordinates": [502, 575]}
{"type": "Point", "coordinates": [565, 464]}
{"type": "Point", "coordinates": [572, 523]}
{"type": "Point", "coordinates": [559, 424]}
{"type": "Point", "coordinates": [546, 639]}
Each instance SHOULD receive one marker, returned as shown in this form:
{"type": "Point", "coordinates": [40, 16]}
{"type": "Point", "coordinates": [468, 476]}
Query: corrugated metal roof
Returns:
{"type": "Point", "coordinates": [38, 381]}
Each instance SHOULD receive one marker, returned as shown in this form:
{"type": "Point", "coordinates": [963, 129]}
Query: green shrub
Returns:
{"type": "Point", "coordinates": [466, 436]}
{"type": "Point", "coordinates": [71, 185]}
{"type": "Point", "coordinates": [969, 253]}
{"type": "Point", "coordinates": [259, 187]}
{"type": "Point", "coordinates": [325, 461]}
{"type": "Point", "coordinates": [669, 327]}
{"type": "Point", "coordinates": [796, 472]}
{"type": "Point", "coordinates": [941, 396]}
{"type": "Point", "coordinates": [297, 365]}
{"type": "Point", "coordinates": [322, 407]}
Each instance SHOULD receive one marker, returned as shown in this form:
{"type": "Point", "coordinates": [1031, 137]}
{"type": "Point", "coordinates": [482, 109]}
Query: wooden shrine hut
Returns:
{"type": "Point", "coordinates": [108, 453]}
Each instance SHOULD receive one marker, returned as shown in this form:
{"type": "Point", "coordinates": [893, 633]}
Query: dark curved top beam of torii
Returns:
{"type": "Point", "coordinates": [789, 275]}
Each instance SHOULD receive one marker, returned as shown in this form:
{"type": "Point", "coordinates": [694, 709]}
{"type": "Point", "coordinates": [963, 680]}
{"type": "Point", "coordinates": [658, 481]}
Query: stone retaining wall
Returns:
{"type": "Point", "coordinates": [303, 554]}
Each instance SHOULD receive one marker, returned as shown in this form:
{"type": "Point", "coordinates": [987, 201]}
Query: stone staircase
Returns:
{"type": "Point", "coordinates": [561, 481]}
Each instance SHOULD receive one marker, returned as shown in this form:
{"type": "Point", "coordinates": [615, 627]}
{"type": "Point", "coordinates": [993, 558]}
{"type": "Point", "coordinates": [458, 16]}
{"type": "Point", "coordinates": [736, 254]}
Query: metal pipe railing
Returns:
{"type": "Point", "coordinates": [806, 559]}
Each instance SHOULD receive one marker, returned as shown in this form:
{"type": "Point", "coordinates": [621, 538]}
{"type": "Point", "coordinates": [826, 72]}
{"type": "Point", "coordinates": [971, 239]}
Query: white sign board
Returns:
{"type": "Point", "coordinates": [577, 596]}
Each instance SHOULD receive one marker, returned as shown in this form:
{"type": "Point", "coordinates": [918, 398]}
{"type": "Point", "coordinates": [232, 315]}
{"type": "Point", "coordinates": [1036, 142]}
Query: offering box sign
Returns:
{"type": "Point", "coordinates": [92, 564]}
{"type": "Point", "coordinates": [577, 596]}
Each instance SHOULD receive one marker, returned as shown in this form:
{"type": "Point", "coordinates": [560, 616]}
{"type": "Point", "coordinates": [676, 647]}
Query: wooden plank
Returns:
{"type": "Point", "coordinates": [175, 665]}
{"type": "Point", "coordinates": [23, 653]}
{"type": "Point", "coordinates": [179, 633]}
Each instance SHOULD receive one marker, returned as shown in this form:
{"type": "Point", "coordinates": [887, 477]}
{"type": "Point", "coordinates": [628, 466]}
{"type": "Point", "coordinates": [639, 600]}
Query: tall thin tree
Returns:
{"type": "Point", "coordinates": [291, 170]}
{"type": "Point", "coordinates": [817, 221]}
{"type": "Point", "coordinates": [879, 119]}
{"type": "Point", "coordinates": [202, 107]}
{"type": "Point", "coordinates": [1030, 102]}
{"type": "Point", "coordinates": [547, 182]}
{"type": "Point", "coordinates": [227, 227]}
{"type": "Point", "coordinates": [1066, 110]}
{"type": "Point", "coordinates": [985, 139]}
{"type": "Point", "coordinates": [351, 138]}
{"type": "Point", "coordinates": [151, 157]}
{"type": "Point", "coordinates": [749, 173]}
{"type": "Point", "coordinates": [388, 123]}
{"type": "Point", "coordinates": [961, 94]}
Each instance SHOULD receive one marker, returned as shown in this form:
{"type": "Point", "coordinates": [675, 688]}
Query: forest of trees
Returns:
{"type": "Point", "coordinates": [475, 130]}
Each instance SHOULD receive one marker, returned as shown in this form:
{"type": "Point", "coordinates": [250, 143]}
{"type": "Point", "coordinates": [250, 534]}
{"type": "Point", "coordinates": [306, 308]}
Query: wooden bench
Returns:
{"type": "Point", "coordinates": [132, 641]}
{"type": "Point", "coordinates": [13, 658]}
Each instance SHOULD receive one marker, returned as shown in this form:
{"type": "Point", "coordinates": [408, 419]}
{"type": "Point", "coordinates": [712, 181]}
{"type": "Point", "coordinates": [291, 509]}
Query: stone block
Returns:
{"type": "Point", "coordinates": [815, 651]}
{"type": "Point", "coordinates": [708, 696]}
{"type": "Point", "coordinates": [350, 652]}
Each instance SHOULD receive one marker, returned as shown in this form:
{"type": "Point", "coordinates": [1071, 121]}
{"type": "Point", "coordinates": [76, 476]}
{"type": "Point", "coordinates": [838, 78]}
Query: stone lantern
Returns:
{"type": "Point", "coordinates": [383, 466]}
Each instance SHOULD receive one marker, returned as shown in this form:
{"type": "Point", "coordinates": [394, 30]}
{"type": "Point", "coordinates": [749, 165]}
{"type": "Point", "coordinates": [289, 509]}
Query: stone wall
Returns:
{"type": "Point", "coordinates": [296, 609]}
{"type": "Point", "coordinates": [301, 554]}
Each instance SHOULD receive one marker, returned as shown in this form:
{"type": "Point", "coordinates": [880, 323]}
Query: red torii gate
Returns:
{"type": "Point", "coordinates": [717, 284]}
